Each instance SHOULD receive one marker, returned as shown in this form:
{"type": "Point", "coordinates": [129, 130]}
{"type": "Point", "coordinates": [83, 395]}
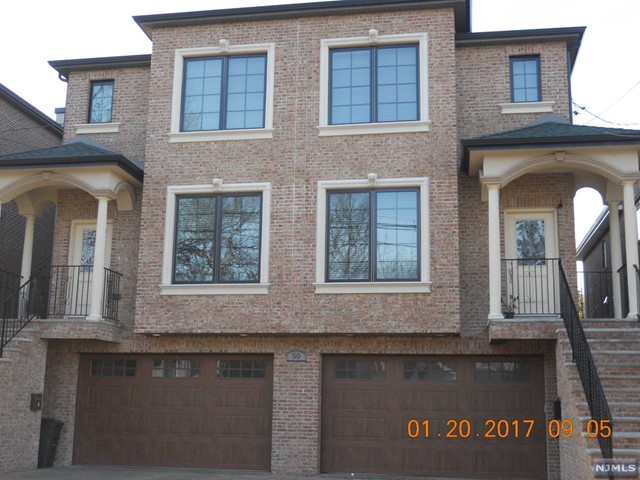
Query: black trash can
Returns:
{"type": "Point", "coordinates": [49, 435]}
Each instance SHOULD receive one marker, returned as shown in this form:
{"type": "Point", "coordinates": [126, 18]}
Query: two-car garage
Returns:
{"type": "Point", "coordinates": [215, 411]}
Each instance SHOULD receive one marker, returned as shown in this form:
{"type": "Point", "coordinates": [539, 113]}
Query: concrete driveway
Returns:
{"type": "Point", "coordinates": [131, 473]}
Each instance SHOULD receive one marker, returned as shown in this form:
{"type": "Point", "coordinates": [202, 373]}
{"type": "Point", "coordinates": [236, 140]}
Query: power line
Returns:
{"type": "Point", "coordinates": [616, 102]}
{"type": "Point", "coordinates": [585, 109]}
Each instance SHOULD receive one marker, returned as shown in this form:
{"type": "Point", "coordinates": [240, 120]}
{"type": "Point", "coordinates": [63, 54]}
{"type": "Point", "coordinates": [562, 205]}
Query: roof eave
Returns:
{"type": "Point", "coordinates": [31, 111]}
{"type": "Point", "coordinates": [94, 161]}
{"type": "Point", "coordinates": [148, 22]}
{"type": "Point", "coordinates": [64, 67]}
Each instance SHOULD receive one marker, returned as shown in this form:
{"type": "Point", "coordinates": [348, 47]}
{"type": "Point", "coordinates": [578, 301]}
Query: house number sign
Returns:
{"type": "Point", "coordinates": [296, 356]}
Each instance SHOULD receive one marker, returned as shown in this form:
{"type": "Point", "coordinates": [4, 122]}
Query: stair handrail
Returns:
{"type": "Point", "coordinates": [17, 310]}
{"type": "Point", "coordinates": [591, 384]}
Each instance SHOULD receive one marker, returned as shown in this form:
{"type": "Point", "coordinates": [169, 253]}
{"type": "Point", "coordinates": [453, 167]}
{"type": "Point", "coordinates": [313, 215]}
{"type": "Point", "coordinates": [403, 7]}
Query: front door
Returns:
{"type": "Point", "coordinates": [531, 251]}
{"type": "Point", "coordinates": [80, 273]}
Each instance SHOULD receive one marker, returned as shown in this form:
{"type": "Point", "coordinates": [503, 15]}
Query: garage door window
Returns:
{"type": "Point", "coordinates": [433, 371]}
{"type": "Point", "coordinates": [503, 371]}
{"type": "Point", "coordinates": [176, 368]}
{"type": "Point", "coordinates": [113, 368]}
{"type": "Point", "coordinates": [242, 368]}
{"type": "Point", "coordinates": [360, 370]}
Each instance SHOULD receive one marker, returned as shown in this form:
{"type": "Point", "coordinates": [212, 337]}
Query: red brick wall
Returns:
{"type": "Point", "coordinates": [294, 161]}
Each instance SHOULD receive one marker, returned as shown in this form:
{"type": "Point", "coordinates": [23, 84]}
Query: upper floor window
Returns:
{"type": "Point", "coordinates": [216, 239]}
{"type": "Point", "coordinates": [224, 92]}
{"type": "Point", "coordinates": [373, 236]}
{"type": "Point", "coordinates": [525, 79]}
{"type": "Point", "coordinates": [101, 102]}
{"type": "Point", "coordinates": [374, 84]}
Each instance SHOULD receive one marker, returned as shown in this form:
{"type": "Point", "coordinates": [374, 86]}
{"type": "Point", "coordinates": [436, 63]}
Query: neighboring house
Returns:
{"type": "Point", "coordinates": [338, 197]}
{"type": "Point", "coordinates": [24, 127]}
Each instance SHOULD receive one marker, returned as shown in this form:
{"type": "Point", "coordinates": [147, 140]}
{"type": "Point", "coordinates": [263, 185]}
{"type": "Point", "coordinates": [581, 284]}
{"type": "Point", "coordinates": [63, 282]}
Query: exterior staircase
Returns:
{"type": "Point", "coordinates": [615, 348]}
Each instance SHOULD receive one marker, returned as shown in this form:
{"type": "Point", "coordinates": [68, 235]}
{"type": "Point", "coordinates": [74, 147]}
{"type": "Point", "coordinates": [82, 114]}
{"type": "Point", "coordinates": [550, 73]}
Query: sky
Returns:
{"type": "Point", "coordinates": [605, 81]}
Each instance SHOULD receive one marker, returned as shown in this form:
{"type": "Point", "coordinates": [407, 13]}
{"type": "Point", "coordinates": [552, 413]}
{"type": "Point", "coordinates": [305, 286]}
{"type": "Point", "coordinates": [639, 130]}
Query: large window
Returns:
{"type": "Point", "coordinates": [374, 84]}
{"type": "Point", "coordinates": [224, 92]}
{"type": "Point", "coordinates": [218, 238]}
{"type": "Point", "coordinates": [373, 235]}
{"type": "Point", "coordinates": [525, 79]}
{"type": "Point", "coordinates": [101, 102]}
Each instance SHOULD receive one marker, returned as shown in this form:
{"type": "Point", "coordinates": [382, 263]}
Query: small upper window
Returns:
{"type": "Point", "coordinates": [374, 84]}
{"type": "Point", "coordinates": [101, 104]}
{"type": "Point", "coordinates": [525, 79]}
{"type": "Point", "coordinates": [224, 93]}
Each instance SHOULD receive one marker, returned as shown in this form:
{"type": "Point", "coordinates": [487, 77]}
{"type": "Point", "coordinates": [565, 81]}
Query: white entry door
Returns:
{"type": "Point", "coordinates": [531, 254]}
{"type": "Point", "coordinates": [80, 274]}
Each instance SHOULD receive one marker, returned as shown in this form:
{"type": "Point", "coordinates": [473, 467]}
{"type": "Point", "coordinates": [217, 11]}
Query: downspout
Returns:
{"type": "Point", "coordinates": [569, 72]}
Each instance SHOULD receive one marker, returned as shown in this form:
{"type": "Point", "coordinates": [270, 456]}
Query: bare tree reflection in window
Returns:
{"type": "Point", "coordinates": [530, 243]}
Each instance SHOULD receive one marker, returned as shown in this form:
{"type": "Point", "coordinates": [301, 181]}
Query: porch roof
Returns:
{"type": "Point", "coordinates": [550, 133]}
{"type": "Point", "coordinates": [77, 152]}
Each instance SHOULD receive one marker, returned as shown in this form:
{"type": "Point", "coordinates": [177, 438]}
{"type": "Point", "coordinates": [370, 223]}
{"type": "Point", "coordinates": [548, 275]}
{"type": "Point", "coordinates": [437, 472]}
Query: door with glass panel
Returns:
{"type": "Point", "coordinates": [531, 263]}
{"type": "Point", "coordinates": [79, 274]}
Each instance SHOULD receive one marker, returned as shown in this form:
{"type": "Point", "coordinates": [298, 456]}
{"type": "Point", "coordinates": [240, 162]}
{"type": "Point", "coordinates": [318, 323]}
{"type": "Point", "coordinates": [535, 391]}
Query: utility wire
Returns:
{"type": "Point", "coordinates": [615, 103]}
{"type": "Point", "coordinates": [585, 109]}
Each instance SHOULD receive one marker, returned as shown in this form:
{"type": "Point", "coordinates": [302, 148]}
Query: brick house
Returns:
{"type": "Point", "coordinates": [24, 127]}
{"type": "Point", "coordinates": [283, 240]}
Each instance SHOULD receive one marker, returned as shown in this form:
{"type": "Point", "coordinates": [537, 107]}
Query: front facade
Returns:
{"type": "Point", "coordinates": [308, 265]}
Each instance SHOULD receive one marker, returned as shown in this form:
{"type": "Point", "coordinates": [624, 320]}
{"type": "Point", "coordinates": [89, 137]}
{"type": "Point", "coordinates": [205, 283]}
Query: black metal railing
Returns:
{"type": "Point", "coordinates": [596, 399]}
{"type": "Point", "coordinates": [111, 295]}
{"type": "Point", "coordinates": [532, 286]}
{"type": "Point", "coordinates": [9, 285]}
{"type": "Point", "coordinates": [624, 289]}
{"type": "Point", "coordinates": [18, 309]}
{"type": "Point", "coordinates": [69, 289]}
{"type": "Point", "coordinates": [56, 291]}
{"type": "Point", "coordinates": [597, 294]}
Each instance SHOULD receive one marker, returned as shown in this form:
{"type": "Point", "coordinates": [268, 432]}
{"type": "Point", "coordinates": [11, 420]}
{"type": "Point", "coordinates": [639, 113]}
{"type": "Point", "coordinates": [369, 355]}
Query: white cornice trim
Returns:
{"type": "Point", "coordinates": [91, 128]}
{"type": "Point", "coordinates": [221, 135]}
{"type": "Point", "coordinates": [216, 289]}
{"type": "Point", "coordinates": [526, 107]}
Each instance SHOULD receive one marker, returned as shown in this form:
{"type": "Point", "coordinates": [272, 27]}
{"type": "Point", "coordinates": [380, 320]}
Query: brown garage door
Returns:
{"type": "Point", "coordinates": [181, 411]}
{"type": "Point", "coordinates": [368, 403]}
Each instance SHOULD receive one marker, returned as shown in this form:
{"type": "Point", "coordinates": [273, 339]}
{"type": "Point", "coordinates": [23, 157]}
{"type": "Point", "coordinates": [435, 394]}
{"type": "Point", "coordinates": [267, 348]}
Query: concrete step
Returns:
{"type": "Point", "coordinates": [610, 356]}
{"type": "Point", "coordinates": [620, 424]}
{"type": "Point", "coordinates": [630, 394]}
{"type": "Point", "coordinates": [608, 368]}
{"type": "Point", "coordinates": [618, 409]}
{"type": "Point", "coordinates": [617, 453]}
{"type": "Point", "coordinates": [612, 380]}
{"type": "Point", "coordinates": [610, 323]}
{"type": "Point", "coordinates": [607, 343]}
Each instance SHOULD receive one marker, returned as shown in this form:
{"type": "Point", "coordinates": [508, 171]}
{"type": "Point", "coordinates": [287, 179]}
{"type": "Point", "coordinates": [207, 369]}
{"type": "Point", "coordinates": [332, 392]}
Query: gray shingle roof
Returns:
{"type": "Point", "coordinates": [76, 152]}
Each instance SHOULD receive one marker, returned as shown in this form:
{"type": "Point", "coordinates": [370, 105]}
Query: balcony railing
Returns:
{"type": "Point", "coordinates": [597, 294]}
{"type": "Point", "coordinates": [532, 285]}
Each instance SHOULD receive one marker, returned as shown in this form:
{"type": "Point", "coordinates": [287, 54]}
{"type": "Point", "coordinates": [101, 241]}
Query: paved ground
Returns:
{"type": "Point", "coordinates": [121, 473]}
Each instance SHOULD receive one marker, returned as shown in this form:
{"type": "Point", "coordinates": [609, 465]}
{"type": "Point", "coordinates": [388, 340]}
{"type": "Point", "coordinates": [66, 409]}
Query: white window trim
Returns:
{"type": "Point", "coordinates": [526, 107]}
{"type": "Point", "coordinates": [422, 125]}
{"type": "Point", "coordinates": [261, 288]}
{"type": "Point", "coordinates": [176, 136]}
{"type": "Point", "coordinates": [91, 128]}
{"type": "Point", "coordinates": [421, 286]}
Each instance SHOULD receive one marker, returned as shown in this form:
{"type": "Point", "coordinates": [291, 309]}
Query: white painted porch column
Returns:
{"type": "Point", "coordinates": [616, 257]}
{"type": "Point", "coordinates": [27, 247]}
{"type": "Point", "coordinates": [631, 244]}
{"type": "Point", "coordinates": [495, 278]}
{"type": "Point", "coordinates": [97, 283]}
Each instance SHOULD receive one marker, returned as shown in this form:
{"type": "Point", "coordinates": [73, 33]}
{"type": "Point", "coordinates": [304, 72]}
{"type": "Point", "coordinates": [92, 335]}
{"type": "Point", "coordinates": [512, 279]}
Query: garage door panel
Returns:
{"type": "Point", "coordinates": [361, 427]}
{"type": "Point", "coordinates": [364, 423]}
{"type": "Point", "coordinates": [174, 411]}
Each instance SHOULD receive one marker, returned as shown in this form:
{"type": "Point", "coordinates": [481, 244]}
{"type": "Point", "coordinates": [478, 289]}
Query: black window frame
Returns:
{"type": "Point", "coordinates": [372, 274]}
{"type": "Point", "coordinates": [224, 91]}
{"type": "Point", "coordinates": [218, 229]}
{"type": "Point", "coordinates": [519, 58]}
{"type": "Point", "coordinates": [373, 95]}
{"type": "Point", "coordinates": [93, 84]}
